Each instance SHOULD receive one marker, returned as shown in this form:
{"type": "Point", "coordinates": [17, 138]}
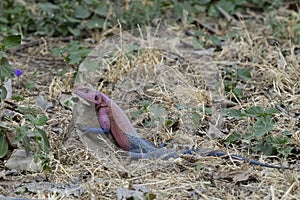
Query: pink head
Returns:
{"type": "Point", "coordinates": [89, 94]}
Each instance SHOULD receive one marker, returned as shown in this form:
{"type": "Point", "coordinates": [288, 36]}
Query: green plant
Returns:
{"type": "Point", "coordinates": [231, 6]}
{"type": "Point", "coordinates": [198, 115]}
{"type": "Point", "coordinates": [32, 136]}
{"type": "Point", "coordinates": [258, 131]}
{"type": "Point", "coordinates": [232, 77]}
{"type": "Point", "coordinates": [84, 18]}
{"type": "Point", "coordinates": [138, 12]}
{"type": "Point", "coordinates": [155, 112]}
{"type": "Point", "coordinates": [287, 27]}
{"type": "Point", "coordinates": [205, 40]}
{"type": "Point", "coordinates": [73, 53]}
{"type": "Point", "coordinates": [6, 69]}
{"type": "Point", "coordinates": [58, 18]}
{"type": "Point", "coordinates": [33, 130]}
{"type": "Point", "coordinates": [3, 140]}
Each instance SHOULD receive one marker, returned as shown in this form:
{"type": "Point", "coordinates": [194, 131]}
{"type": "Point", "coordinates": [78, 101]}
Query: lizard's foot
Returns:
{"type": "Point", "coordinates": [94, 130]}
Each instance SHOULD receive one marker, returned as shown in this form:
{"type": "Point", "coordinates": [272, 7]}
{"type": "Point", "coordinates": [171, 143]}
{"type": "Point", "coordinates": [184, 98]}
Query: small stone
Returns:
{"type": "Point", "coordinates": [20, 161]}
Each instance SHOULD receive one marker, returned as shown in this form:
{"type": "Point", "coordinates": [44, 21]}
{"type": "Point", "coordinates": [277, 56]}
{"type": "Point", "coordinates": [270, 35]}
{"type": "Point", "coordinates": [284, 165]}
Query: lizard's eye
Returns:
{"type": "Point", "coordinates": [96, 97]}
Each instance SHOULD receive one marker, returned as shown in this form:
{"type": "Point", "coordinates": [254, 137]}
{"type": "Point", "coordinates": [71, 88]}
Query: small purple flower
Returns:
{"type": "Point", "coordinates": [18, 72]}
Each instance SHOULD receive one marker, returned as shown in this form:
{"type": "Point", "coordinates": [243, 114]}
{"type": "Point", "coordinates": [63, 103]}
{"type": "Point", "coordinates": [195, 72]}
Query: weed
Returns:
{"type": "Point", "coordinates": [36, 122]}
{"type": "Point", "coordinates": [40, 144]}
{"type": "Point", "coordinates": [82, 18]}
{"type": "Point", "coordinates": [73, 53]}
{"type": "Point", "coordinates": [232, 77]}
{"type": "Point", "coordinates": [204, 40]}
{"type": "Point", "coordinates": [50, 19]}
{"type": "Point", "coordinates": [32, 136]}
{"type": "Point", "coordinates": [156, 113]}
{"type": "Point", "coordinates": [6, 69]}
{"type": "Point", "coordinates": [258, 135]}
{"type": "Point", "coordinates": [139, 12]}
{"type": "Point", "coordinates": [286, 27]}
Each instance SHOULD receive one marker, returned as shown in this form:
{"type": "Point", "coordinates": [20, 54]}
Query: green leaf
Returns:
{"type": "Point", "coordinates": [28, 110]}
{"type": "Point", "coordinates": [45, 141]}
{"type": "Point", "coordinates": [237, 114]}
{"type": "Point", "coordinates": [74, 53]}
{"type": "Point", "coordinates": [157, 111]}
{"type": "Point", "coordinates": [254, 111]}
{"type": "Point", "coordinates": [2, 54]}
{"type": "Point", "coordinates": [213, 12]}
{"type": "Point", "coordinates": [267, 149]}
{"type": "Point", "coordinates": [36, 156]}
{"type": "Point", "coordinates": [150, 196]}
{"type": "Point", "coordinates": [196, 117]}
{"type": "Point", "coordinates": [272, 111]}
{"type": "Point", "coordinates": [247, 137]}
{"type": "Point", "coordinates": [136, 114]}
{"type": "Point", "coordinates": [81, 12]}
{"type": "Point", "coordinates": [57, 52]}
{"type": "Point", "coordinates": [199, 167]}
{"type": "Point", "coordinates": [279, 141]}
{"type": "Point", "coordinates": [95, 22]}
{"type": "Point", "coordinates": [145, 105]}
{"type": "Point", "coordinates": [234, 137]}
{"type": "Point", "coordinates": [101, 10]}
{"type": "Point", "coordinates": [90, 2]}
{"type": "Point", "coordinates": [6, 69]}
{"type": "Point", "coordinates": [244, 73]}
{"type": "Point", "coordinates": [68, 103]}
{"type": "Point", "coordinates": [238, 92]}
{"type": "Point", "coordinates": [11, 41]}
{"type": "Point", "coordinates": [3, 20]}
{"type": "Point", "coordinates": [75, 31]}
{"type": "Point", "coordinates": [226, 5]}
{"type": "Point", "coordinates": [72, 20]}
{"type": "Point", "coordinates": [26, 144]}
{"type": "Point", "coordinates": [169, 122]}
{"type": "Point", "coordinates": [203, 2]}
{"type": "Point", "coordinates": [41, 120]}
{"type": "Point", "coordinates": [74, 58]}
{"type": "Point", "coordinates": [18, 97]}
{"type": "Point", "coordinates": [262, 126]}
{"type": "Point", "coordinates": [215, 40]}
{"type": "Point", "coordinates": [197, 44]}
{"type": "Point", "coordinates": [30, 118]}
{"type": "Point", "coordinates": [21, 132]}
{"type": "Point", "coordinates": [48, 8]}
{"type": "Point", "coordinates": [3, 146]}
{"type": "Point", "coordinates": [285, 151]}
{"type": "Point", "coordinates": [3, 93]}
{"type": "Point", "coordinates": [30, 85]}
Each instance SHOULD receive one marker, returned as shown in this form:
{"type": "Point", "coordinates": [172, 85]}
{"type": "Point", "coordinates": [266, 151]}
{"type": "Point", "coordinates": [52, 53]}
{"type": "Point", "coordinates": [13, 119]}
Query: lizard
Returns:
{"type": "Point", "coordinates": [112, 119]}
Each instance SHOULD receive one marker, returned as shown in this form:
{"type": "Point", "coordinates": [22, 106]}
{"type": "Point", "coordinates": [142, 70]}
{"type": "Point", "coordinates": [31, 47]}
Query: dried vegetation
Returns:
{"type": "Point", "coordinates": [169, 77]}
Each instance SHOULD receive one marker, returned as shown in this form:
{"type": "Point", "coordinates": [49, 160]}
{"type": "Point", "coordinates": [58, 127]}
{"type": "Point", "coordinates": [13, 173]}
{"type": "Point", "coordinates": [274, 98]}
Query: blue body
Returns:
{"type": "Point", "coordinates": [143, 149]}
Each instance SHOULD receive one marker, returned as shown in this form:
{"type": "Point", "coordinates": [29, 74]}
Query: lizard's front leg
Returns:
{"type": "Point", "coordinates": [103, 118]}
{"type": "Point", "coordinates": [94, 130]}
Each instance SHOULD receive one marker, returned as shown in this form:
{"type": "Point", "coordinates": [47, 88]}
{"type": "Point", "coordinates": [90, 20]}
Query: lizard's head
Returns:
{"type": "Point", "coordinates": [89, 94]}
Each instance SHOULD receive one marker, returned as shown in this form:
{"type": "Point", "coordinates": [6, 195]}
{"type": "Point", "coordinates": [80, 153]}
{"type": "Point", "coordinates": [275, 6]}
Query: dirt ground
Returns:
{"type": "Point", "coordinates": [167, 73]}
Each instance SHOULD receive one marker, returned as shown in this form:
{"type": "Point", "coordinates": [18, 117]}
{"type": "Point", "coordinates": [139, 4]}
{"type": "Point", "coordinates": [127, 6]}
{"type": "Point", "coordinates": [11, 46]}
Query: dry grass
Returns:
{"type": "Point", "coordinates": [167, 72]}
{"type": "Point", "coordinates": [164, 78]}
